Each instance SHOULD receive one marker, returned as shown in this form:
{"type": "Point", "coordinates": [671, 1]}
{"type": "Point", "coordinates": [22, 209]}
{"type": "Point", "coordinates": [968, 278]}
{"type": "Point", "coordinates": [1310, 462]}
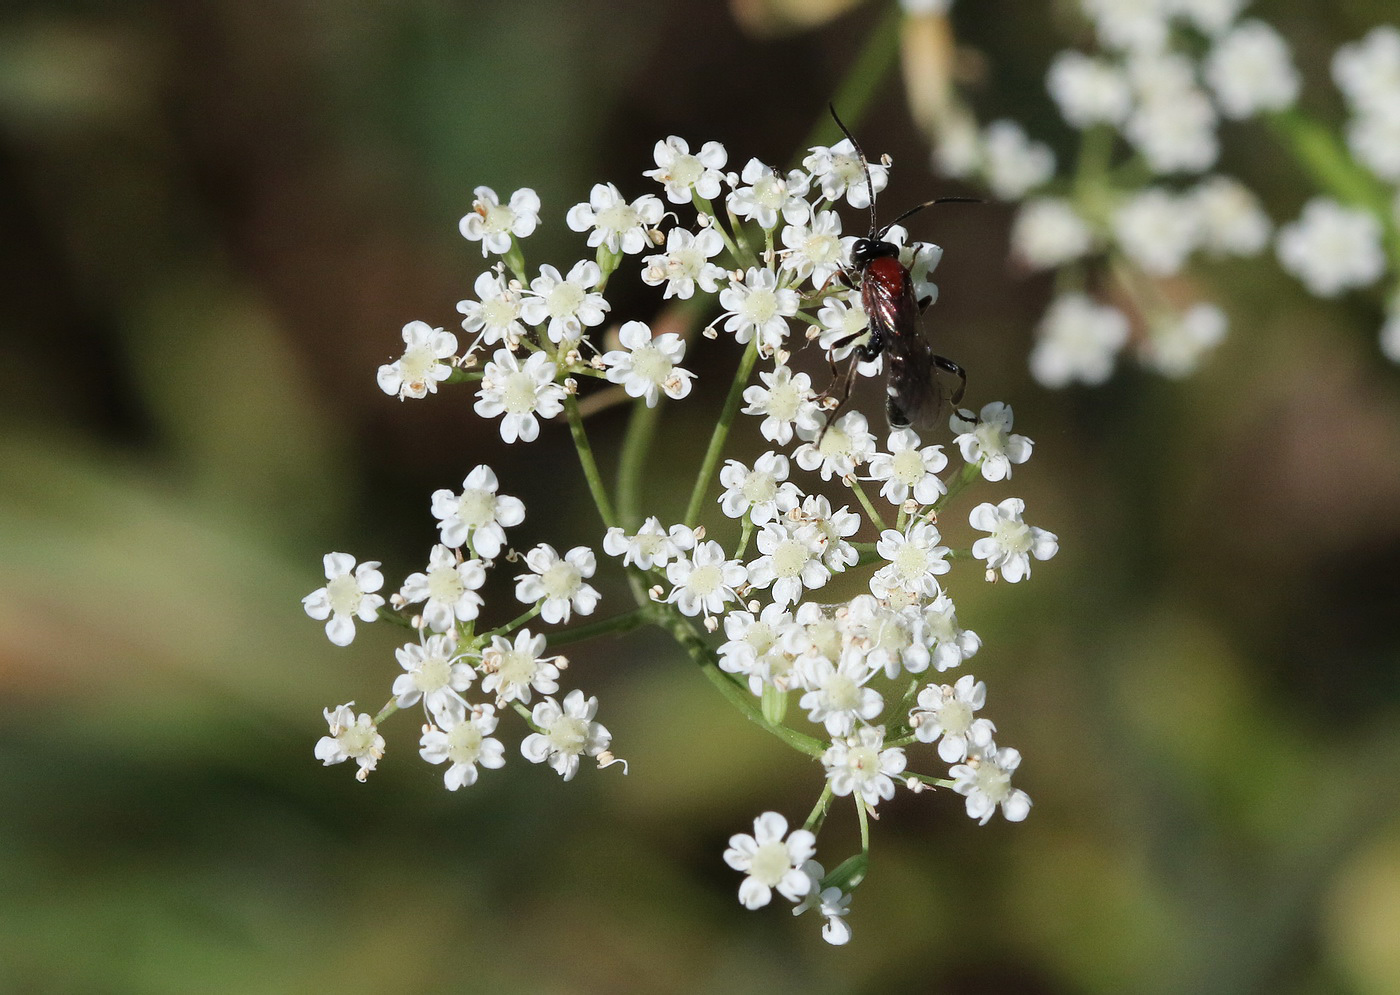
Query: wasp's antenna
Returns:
{"type": "Point", "coordinates": [928, 203]}
{"type": "Point", "coordinates": [864, 163]}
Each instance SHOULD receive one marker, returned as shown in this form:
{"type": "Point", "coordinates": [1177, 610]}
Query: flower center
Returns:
{"type": "Point", "coordinates": [499, 312]}
{"type": "Point", "coordinates": [760, 487]}
{"type": "Point", "coordinates": [1014, 537]}
{"type": "Point", "coordinates": [415, 365]}
{"type": "Point", "coordinates": [651, 364]}
{"type": "Point", "coordinates": [911, 562]}
{"type": "Point", "coordinates": [705, 580]}
{"type": "Point", "coordinates": [760, 637]}
{"type": "Point", "coordinates": [835, 443]}
{"type": "Point", "coordinates": [761, 304]}
{"type": "Point", "coordinates": [770, 863]}
{"type": "Point", "coordinates": [519, 393]}
{"type": "Point", "coordinates": [357, 740]}
{"type": "Point", "coordinates": [842, 692]}
{"type": "Point", "coordinates": [618, 218]}
{"type": "Point", "coordinates": [789, 558]}
{"type": "Point", "coordinates": [991, 438]}
{"type": "Point", "coordinates": [908, 466]}
{"type": "Point", "coordinates": [445, 584]}
{"type": "Point", "coordinates": [955, 718]}
{"type": "Point", "coordinates": [435, 674]}
{"type": "Point", "coordinates": [464, 744]}
{"type": "Point", "coordinates": [568, 735]}
{"type": "Point", "coordinates": [497, 218]}
{"type": "Point", "coordinates": [783, 401]}
{"type": "Point", "coordinates": [685, 170]}
{"type": "Point", "coordinates": [476, 508]}
{"type": "Point", "coordinates": [993, 782]}
{"type": "Point", "coordinates": [564, 300]}
{"type": "Point", "coordinates": [516, 667]}
{"type": "Point", "coordinates": [344, 594]}
{"type": "Point", "coordinates": [561, 580]}
{"type": "Point", "coordinates": [864, 759]}
{"type": "Point", "coordinates": [770, 192]}
{"type": "Point", "coordinates": [822, 248]}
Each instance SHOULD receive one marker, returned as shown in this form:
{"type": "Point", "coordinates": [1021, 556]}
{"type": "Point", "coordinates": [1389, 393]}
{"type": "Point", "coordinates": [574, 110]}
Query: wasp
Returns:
{"type": "Point", "coordinates": [913, 396]}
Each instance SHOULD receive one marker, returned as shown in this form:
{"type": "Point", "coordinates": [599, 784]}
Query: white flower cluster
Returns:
{"type": "Point", "coordinates": [864, 671]}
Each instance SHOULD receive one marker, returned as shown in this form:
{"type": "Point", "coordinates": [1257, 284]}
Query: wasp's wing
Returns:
{"type": "Point", "coordinates": [915, 399]}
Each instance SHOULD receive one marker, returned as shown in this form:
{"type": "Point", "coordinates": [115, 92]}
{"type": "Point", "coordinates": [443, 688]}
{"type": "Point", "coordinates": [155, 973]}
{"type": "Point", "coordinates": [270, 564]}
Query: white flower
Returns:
{"type": "Point", "coordinates": [616, 224]}
{"type": "Point", "coordinates": [1250, 70]}
{"type": "Point", "coordinates": [845, 327]}
{"type": "Point", "coordinates": [1332, 248]}
{"type": "Point", "coordinates": [686, 263]}
{"type": "Point", "coordinates": [680, 172]}
{"type": "Point", "coordinates": [567, 303]}
{"type": "Point", "coordinates": [845, 444]}
{"type": "Point", "coordinates": [1048, 232]}
{"type": "Point", "coordinates": [704, 581]}
{"type": "Point", "coordinates": [1368, 71]}
{"type": "Point", "coordinates": [649, 366]}
{"type": "Point", "coordinates": [1210, 16]}
{"type": "Point", "coordinates": [1088, 91]}
{"type": "Point", "coordinates": [757, 305]}
{"type": "Point", "coordinates": [763, 492]}
{"type": "Point", "coordinates": [346, 596]}
{"type": "Point", "coordinates": [1173, 123]}
{"type": "Point", "coordinates": [492, 223]}
{"type": "Point", "coordinates": [1231, 220]}
{"type": "Point", "coordinates": [1374, 139]}
{"type": "Point", "coordinates": [519, 392]}
{"type": "Point", "coordinates": [986, 781]}
{"type": "Point", "coordinates": [513, 672]}
{"type": "Point", "coordinates": [791, 561]}
{"type": "Point", "coordinates": [908, 469]}
{"type": "Point", "coordinates": [915, 560]}
{"type": "Point", "coordinates": [351, 738]}
{"type": "Point", "coordinates": [1013, 164]}
{"type": "Point", "coordinates": [861, 765]}
{"type": "Point", "coordinates": [1129, 24]}
{"type": "Point", "coordinates": [496, 316]}
{"type": "Point", "coordinates": [771, 858]}
{"type": "Point", "coordinates": [565, 733]}
{"type": "Point", "coordinates": [836, 694]}
{"type": "Point", "coordinates": [478, 516]}
{"type": "Point", "coordinates": [1157, 230]}
{"type": "Point", "coordinates": [1175, 343]}
{"type": "Point", "coordinates": [890, 639]}
{"type": "Point", "coordinates": [787, 399]}
{"type": "Point", "coordinates": [417, 372]}
{"type": "Point", "coordinates": [465, 740]}
{"type": "Point", "coordinates": [448, 586]}
{"type": "Point", "coordinates": [652, 547]}
{"type": "Point", "coordinates": [1390, 337]}
{"type": "Point", "coordinates": [1077, 340]}
{"type": "Point", "coordinates": [950, 643]}
{"type": "Point", "coordinates": [1012, 542]}
{"type": "Point", "coordinates": [833, 528]}
{"type": "Point", "coordinates": [434, 672]}
{"type": "Point", "coordinates": [839, 171]}
{"type": "Point", "coordinates": [987, 438]}
{"type": "Point", "coordinates": [769, 194]}
{"type": "Point", "coordinates": [814, 251]}
{"type": "Point", "coordinates": [833, 903]}
{"type": "Point", "coordinates": [558, 582]}
{"type": "Point", "coordinates": [946, 715]}
{"type": "Point", "coordinates": [753, 645]}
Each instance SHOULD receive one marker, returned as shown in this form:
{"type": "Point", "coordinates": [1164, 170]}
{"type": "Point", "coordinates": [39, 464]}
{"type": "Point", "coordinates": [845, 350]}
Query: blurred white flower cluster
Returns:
{"type": "Point", "coordinates": [743, 596]}
{"type": "Point", "coordinates": [1141, 202]}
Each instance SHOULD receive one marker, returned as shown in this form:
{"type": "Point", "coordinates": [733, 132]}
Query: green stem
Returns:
{"type": "Point", "coordinates": [512, 625]}
{"type": "Point", "coordinates": [684, 633]}
{"type": "Point", "coordinates": [636, 444]}
{"type": "Point", "coordinates": [705, 207]}
{"type": "Point", "coordinates": [589, 464]}
{"type": "Point", "coordinates": [389, 615]}
{"type": "Point", "coordinates": [616, 625]}
{"type": "Point", "coordinates": [721, 433]}
{"type": "Point", "coordinates": [388, 710]}
{"type": "Point", "coordinates": [864, 826]}
{"type": "Point", "coordinates": [875, 516]}
{"type": "Point", "coordinates": [744, 536]}
{"type": "Point", "coordinates": [969, 473]}
{"type": "Point", "coordinates": [818, 816]}
{"type": "Point", "coordinates": [932, 782]}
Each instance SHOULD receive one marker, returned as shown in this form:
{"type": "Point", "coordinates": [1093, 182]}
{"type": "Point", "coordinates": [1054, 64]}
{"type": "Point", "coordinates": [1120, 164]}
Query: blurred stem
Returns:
{"type": "Point", "coordinates": [691, 641]}
{"type": "Point", "coordinates": [589, 464]}
{"type": "Point", "coordinates": [636, 445]}
{"type": "Point", "coordinates": [513, 624]}
{"type": "Point", "coordinates": [858, 89]}
{"type": "Point", "coordinates": [389, 615]}
{"type": "Point", "coordinates": [388, 710]}
{"type": "Point", "coordinates": [814, 821]}
{"type": "Point", "coordinates": [968, 475]}
{"type": "Point", "coordinates": [870, 509]}
{"type": "Point", "coordinates": [721, 433]}
{"type": "Point", "coordinates": [1092, 190]}
{"type": "Point", "coordinates": [515, 260]}
{"type": "Point", "coordinates": [864, 825]}
{"type": "Point", "coordinates": [616, 625]}
{"type": "Point", "coordinates": [745, 534]}
{"type": "Point", "coordinates": [931, 781]}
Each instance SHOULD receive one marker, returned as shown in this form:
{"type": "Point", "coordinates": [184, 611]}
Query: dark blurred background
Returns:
{"type": "Point", "coordinates": [216, 216]}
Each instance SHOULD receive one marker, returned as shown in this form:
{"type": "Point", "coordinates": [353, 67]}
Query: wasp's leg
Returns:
{"type": "Point", "coordinates": [948, 366]}
{"type": "Point", "coordinates": [846, 381]}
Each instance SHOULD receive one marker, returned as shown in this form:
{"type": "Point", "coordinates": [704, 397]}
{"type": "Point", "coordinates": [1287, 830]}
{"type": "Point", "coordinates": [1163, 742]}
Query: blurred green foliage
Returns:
{"type": "Point", "coordinates": [217, 217]}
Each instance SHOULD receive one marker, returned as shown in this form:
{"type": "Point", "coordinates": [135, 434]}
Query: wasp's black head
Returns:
{"type": "Point", "coordinates": [867, 250]}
